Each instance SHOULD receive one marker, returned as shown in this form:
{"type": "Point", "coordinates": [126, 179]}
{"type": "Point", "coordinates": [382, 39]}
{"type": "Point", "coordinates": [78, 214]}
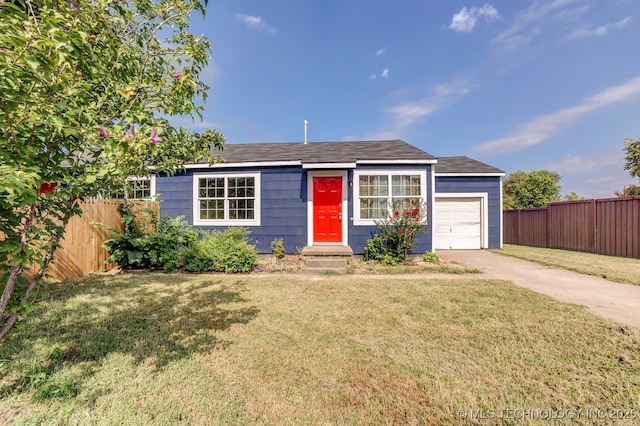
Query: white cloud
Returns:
{"type": "Point", "coordinates": [406, 113]}
{"type": "Point", "coordinates": [465, 21]}
{"type": "Point", "coordinates": [545, 126]}
{"type": "Point", "coordinates": [372, 76]}
{"type": "Point", "coordinates": [601, 30]}
{"type": "Point", "coordinates": [255, 23]}
{"type": "Point", "coordinates": [381, 52]}
{"type": "Point", "coordinates": [525, 26]}
{"type": "Point", "coordinates": [574, 164]}
{"type": "Point", "coordinates": [385, 73]}
{"type": "Point", "coordinates": [602, 175]}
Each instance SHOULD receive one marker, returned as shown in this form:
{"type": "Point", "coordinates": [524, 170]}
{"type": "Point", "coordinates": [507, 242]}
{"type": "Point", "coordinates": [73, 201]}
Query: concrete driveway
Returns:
{"type": "Point", "coordinates": [620, 302]}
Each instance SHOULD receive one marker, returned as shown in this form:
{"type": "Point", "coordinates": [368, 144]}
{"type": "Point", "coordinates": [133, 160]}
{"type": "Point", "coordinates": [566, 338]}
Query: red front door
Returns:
{"type": "Point", "coordinates": [327, 209]}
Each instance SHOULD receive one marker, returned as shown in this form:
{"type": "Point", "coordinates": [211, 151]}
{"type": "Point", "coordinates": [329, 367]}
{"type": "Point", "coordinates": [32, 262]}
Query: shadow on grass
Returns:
{"type": "Point", "coordinates": [150, 317]}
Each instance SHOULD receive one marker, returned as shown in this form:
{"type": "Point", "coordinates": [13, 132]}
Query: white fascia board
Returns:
{"type": "Point", "coordinates": [329, 166]}
{"type": "Point", "coordinates": [247, 164]}
{"type": "Point", "coordinates": [396, 161]}
{"type": "Point", "coordinates": [471, 174]}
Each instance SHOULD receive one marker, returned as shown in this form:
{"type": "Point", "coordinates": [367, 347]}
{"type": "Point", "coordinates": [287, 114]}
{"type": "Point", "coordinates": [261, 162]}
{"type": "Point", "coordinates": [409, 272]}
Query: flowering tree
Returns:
{"type": "Point", "coordinates": [401, 228]}
{"type": "Point", "coordinates": [87, 92]}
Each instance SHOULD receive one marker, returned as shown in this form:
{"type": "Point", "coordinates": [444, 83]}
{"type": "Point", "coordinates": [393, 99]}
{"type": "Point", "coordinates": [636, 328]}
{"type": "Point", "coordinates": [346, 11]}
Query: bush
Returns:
{"type": "Point", "coordinates": [151, 244]}
{"type": "Point", "coordinates": [375, 248]}
{"type": "Point", "coordinates": [221, 251]}
{"type": "Point", "coordinates": [390, 260]}
{"type": "Point", "coordinates": [397, 234]}
{"type": "Point", "coordinates": [430, 257]}
{"type": "Point", "coordinates": [277, 247]}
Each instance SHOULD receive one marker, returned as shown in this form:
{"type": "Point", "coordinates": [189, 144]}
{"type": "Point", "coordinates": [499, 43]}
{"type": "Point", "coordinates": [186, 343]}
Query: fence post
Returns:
{"type": "Point", "coordinates": [593, 217]}
{"type": "Point", "coordinates": [547, 220]}
{"type": "Point", "coordinates": [518, 227]}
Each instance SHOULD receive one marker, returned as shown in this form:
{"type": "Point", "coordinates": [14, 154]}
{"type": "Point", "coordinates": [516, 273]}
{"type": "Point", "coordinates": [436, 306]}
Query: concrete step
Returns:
{"type": "Point", "coordinates": [318, 265]}
{"type": "Point", "coordinates": [328, 250]}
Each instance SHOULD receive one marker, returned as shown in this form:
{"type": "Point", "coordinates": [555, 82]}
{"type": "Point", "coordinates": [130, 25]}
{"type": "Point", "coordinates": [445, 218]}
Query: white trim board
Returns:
{"type": "Point", "coordinates": [227, 222]}
{"type": "Point", "coordinates": [345, 203]}
{"type": "Point", "coordinates": [383, 172]}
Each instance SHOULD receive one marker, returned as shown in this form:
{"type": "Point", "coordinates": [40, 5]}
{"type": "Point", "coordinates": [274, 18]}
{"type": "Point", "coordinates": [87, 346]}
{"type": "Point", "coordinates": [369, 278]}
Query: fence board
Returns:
{"type": "Point", "coordinates": [606, 226]}
{"type": "Point", "coordinates": [81, 249]}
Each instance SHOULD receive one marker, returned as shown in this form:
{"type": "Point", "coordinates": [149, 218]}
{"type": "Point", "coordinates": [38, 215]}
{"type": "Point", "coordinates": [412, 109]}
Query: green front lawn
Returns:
{"type": "Point", "coordinates": [211, 349]}
{"type": "Point", "coordinates": [619, 269]}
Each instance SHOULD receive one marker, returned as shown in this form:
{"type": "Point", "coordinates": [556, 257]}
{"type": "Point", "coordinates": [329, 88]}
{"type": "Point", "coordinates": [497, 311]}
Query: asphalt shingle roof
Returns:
{"type": "Point", "coordinates": [322, 152]}
{"type": "Point", "coordinates": [462, 164]}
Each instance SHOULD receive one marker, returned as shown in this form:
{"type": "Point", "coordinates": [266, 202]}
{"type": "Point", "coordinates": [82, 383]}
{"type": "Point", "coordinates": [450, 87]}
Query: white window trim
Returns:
{"type": "Point", "coordinates": [381, 172]}
{"type": "Point", "coordinates": [227, 222]}
{"type": "Point", "coordinates": [152, 186]}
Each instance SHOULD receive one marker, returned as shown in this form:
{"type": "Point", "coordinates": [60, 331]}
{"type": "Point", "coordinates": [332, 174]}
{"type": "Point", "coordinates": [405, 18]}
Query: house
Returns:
{"type": "Point", "coordinates": [331, 193]}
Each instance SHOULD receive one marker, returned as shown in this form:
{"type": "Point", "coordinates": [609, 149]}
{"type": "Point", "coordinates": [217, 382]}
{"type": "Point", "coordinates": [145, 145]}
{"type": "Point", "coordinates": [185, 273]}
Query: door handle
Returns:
{"type": "Point", "coordinates": [340, 217]}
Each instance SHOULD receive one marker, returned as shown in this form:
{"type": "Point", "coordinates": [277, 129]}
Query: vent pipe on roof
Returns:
{"type": "Point", "coordinates": [306, 123]}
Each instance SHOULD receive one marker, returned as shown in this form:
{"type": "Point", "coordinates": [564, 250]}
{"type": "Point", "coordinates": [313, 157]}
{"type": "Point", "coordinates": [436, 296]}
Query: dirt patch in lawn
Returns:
{"type": "Point", "coordinates": [294, 264]}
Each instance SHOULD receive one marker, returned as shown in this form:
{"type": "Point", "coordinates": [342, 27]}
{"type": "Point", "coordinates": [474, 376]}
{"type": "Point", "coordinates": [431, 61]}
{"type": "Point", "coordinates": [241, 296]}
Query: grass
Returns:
{"type": "Point", "coordinates": [293, 264]}
{"type": "Point", "coordinates": [153, 349]}
{"type": "Point", "coordinates": [618, 269]}
{"type": "Point", "coordinates": [414, 266]}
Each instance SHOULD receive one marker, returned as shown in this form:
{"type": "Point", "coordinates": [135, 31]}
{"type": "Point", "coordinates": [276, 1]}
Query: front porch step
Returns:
{"type": "Point", "coordinates": [319, 265]}
{"type": "Point", "coordinates": [333, 251]}
{"type": "Point", "coordinates": [327, 258]}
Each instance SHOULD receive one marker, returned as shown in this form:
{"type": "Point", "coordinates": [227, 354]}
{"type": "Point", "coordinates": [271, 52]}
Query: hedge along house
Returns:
{"type": "Point", "coordinates": [331, 193]}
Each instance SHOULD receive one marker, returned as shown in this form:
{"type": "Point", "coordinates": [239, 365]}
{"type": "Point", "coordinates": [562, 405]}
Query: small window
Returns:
{"type": "Point", "coordinates": [227, 199]}
{"type": "Point", "coordinates": [140, 188]}
{"type": "Point", "coordinates": [376, 191]}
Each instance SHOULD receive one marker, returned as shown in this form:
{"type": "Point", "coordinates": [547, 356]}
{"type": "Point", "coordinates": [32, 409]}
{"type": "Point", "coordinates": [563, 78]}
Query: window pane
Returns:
{"type": "Point", "coordinates": [241, 209]}
{"type": "Point", "coordinates": [374, 186]}
{"type": "Point", "coordinates": [405, 185]}
{"type": "Point", "coordinates": [373, 208]}
{"type": "Point", "coordinates": [211, 188]}
{"type": "Point", "coordinates": [139, 189]}
{"type": "Point", "coordinates": [212, 209]}
{"type": "Point", "coordinates": [407, 203]}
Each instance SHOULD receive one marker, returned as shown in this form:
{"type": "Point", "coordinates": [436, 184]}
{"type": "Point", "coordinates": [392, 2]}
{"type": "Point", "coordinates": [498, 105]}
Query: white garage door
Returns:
{"type": "Point", "coordinates": [458, 223]}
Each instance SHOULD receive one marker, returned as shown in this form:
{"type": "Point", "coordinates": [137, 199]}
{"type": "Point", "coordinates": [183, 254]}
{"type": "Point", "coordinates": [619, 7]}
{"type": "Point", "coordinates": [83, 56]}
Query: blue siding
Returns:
{"type": "Point", "coordinates": [283, 204]}
{"type": "Point", "coordinates": [488, 184]}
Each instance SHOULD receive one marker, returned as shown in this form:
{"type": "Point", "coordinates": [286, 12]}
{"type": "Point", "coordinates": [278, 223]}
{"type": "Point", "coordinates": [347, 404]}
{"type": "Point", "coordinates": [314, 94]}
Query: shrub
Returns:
{"type": "Point", "coordinates": [397, 233]}
{"type": "Point", "coordinates": [152, 243]}
{"type": "Point", "coordinates": [430, 257]}
{"type": "Point", "coordinates": [390, 260]}
{"type": "Point", "coordinates": [375, 248]}
{"type": "Point", "coordinates": [277, 247]}
{"type": "Point", "coordinates": [221, 251]}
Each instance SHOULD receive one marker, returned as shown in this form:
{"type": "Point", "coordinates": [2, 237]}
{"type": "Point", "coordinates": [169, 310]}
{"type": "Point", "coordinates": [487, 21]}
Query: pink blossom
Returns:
{"type": "Point", "coordinates": [103, 132]}
{"type": "Point", "coordinates": [400, 232]}
{"type": "Point", "coordinates": [176, 75]}
{"type": "Point", "coordinates": [154, 137]}
{"type": "Point", "coordinates": [130, 133]}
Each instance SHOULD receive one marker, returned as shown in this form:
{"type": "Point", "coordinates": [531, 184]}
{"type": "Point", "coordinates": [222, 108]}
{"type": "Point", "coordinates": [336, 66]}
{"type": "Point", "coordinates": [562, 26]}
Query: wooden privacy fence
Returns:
{"type": "Point", "coordinates": [606, 226]}
{"type": "Point", "coordinates": [81, 250]}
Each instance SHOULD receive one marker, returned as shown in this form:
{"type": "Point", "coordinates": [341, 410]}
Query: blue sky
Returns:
{"type": "Point", "coordinates": [521, 85]}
